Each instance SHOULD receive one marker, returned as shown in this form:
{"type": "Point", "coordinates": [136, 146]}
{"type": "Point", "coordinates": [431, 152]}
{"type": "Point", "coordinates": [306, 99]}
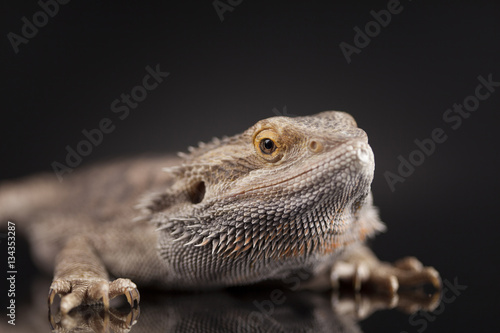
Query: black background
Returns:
{"type": "Point", "coordinates": [272, 55]}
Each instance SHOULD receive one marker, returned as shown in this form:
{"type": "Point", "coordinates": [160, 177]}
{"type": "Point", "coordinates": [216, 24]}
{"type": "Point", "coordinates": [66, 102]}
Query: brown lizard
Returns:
{"type": "Point", "coordinates": [288, 194]}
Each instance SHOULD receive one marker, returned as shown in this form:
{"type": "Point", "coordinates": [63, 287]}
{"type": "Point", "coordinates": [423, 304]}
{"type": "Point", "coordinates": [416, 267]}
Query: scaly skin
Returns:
{"type": "Point", "coordinates": [288, 194]}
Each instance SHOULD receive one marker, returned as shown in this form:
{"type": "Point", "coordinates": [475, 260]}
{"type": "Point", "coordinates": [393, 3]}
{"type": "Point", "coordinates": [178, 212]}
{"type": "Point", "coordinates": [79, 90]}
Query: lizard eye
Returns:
{"type": "Point", "coordinates": [268, 145]}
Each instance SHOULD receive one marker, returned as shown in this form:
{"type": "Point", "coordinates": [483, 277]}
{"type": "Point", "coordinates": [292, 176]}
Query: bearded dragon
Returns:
{"type": "Point", "coordinates": [286, 195]}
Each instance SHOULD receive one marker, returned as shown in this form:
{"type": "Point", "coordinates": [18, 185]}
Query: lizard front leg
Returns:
{"type": "Point", "coordinates": [81, 278]}
{"type": "Point", "coordinates": [360, 267]}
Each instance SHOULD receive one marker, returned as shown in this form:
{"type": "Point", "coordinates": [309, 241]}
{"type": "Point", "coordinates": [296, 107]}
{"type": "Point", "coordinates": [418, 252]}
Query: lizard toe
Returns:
{"type": "Point", "coordinates": [127, 288]}
{"type": "Point", "coordinates": [409, 263]}
{"type": "Point", "coordinates": [58, 287]}
{"type": "Point", "coordinates": [414, 278]}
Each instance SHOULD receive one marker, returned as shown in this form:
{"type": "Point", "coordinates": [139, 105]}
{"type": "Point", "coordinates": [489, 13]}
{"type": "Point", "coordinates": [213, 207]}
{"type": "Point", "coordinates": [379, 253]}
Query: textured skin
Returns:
{"type": "Point", "coordinates": [260, 219]}
{"type": "Point", "coordinates": [287, 194]}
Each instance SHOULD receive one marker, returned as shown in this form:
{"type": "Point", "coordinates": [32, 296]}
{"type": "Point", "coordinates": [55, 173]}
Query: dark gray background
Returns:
{"type": "Point", "coordinates": [266, 55]}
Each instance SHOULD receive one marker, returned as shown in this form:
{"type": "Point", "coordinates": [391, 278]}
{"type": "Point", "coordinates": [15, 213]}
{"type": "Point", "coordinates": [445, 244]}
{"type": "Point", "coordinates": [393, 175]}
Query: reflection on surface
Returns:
{"type": "Point", "coordinates": [269, 310]}
{"type": "Point", "coordinates": [259, 311]}
{"type": "Point", "coordinates": [235, 310]}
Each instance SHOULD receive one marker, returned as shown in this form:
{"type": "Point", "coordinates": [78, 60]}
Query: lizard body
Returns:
{"type": "Point", "coordinates": [288, 194]}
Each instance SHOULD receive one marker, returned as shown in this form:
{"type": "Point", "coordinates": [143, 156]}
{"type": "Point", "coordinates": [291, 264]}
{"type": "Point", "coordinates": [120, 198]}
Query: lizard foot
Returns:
{"type": "Point", "coordinates": [75, 292]}
{"type": "Point", "coordinates": [362, 269]}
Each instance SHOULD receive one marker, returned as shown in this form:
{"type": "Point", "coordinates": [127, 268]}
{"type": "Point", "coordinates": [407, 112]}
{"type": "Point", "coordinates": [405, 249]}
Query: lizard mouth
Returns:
{"type": "Point", "coordinates": [350, 159]}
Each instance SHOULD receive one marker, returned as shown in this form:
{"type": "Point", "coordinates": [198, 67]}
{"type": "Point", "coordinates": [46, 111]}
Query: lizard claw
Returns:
{"type": "Point", "coordinates": [410, 272]}
{"type": "Point", "coordinates": [90, 291]}
{"type": "Point", "coordinates": [127, 288]}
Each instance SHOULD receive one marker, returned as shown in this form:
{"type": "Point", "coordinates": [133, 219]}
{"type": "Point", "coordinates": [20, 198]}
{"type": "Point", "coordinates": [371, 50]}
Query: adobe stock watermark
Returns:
{"type": "Point", "coordinates": [11, 272]}
{"type": "Point", "coordinates": [121, 107]}
{"type": "Point", "coordinates": [266, 308]}
{"type": "Point", "coordinates": [453, 117]}
{"type": "Point", "coordinates": [450, 292]}
{"type": "Point", "coordinates": [283, 113]}
{"type": "Point", "coordinates": [221, 7]}
{"type": "Point", "coordinates": [372, 29]}
{"type": "Point", "coordinates": [29, 28]}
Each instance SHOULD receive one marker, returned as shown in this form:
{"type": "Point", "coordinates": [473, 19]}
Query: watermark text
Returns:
{"type": "Point", "coordinates": [121, 107]}
{"type": "Point", "coordinates": [11, 272]}
{"type": "Point", "coordinates": [453, 117]}
{"type": "Point", "coordinates": [30, 28]}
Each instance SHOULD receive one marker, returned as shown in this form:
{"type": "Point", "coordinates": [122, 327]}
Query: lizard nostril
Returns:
{"type": "Point", "coordinates": [315, 146]}
{"type": "Point", "coordinates": [363, 155]}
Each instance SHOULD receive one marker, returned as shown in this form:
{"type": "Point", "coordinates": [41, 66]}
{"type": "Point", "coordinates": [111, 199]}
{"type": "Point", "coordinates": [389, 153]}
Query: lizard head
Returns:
{"type": "Point", "coordinates": [284, 187]}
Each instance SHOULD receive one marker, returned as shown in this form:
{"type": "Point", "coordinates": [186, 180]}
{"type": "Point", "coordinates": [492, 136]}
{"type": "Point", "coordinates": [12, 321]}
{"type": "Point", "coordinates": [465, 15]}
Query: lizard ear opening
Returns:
{"type": "Point", "coordinates": [197, 192]}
